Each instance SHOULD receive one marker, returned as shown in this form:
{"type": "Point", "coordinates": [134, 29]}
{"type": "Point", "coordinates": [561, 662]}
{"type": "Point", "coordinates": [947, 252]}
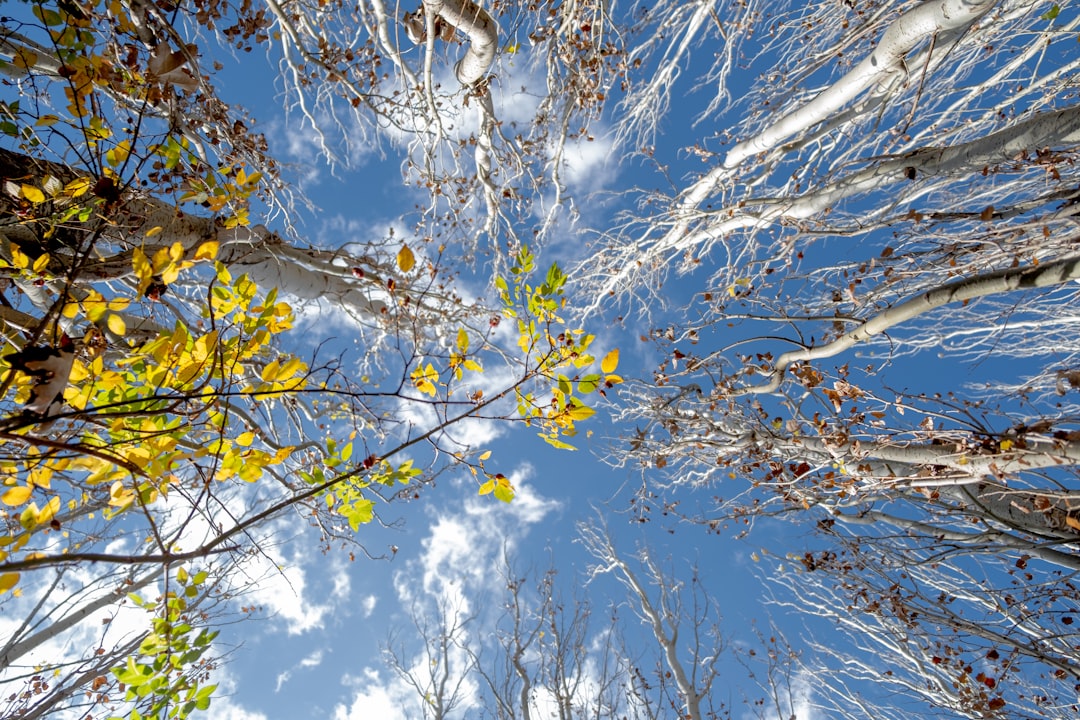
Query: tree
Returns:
{"type": "Point", "coordinates": [900, 179]}
{"type": "Point", "coordinates": [353, 70]}
{"type": "Point", "coordinates": [542, 650]}
{"type": "Point", "coordinates": [183, 433]}
{"type": "Point", "coordinates": [932, 142]}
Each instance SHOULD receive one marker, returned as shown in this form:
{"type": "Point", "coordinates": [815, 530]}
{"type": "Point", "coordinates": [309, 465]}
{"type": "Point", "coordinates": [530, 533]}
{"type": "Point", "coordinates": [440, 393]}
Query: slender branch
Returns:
{"type": "Point", "coordinates": [998, 281]}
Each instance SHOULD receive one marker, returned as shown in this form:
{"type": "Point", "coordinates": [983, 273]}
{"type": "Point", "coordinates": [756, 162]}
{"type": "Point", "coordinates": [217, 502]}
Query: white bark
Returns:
{"type": "Point", "coordinates": [477, 23]}
{"type": "Point", "coordinates": [885, 61]}
{"type": "Point", "coordinates": [663, 617]}
{"type": "Point", "coordinates": [20, 646]}
{"type": "Point", "coordinates": [1039, 276]}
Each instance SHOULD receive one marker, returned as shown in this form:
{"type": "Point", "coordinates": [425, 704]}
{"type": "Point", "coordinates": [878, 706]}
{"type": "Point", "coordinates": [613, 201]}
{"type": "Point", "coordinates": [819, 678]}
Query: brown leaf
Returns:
{"type": "Point", "coordinates": [168, 67]}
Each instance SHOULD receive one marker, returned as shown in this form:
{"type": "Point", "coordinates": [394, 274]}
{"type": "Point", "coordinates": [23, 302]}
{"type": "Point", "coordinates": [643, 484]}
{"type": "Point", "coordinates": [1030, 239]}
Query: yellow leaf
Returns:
{"type": "Point", "coordinates": [118, 154]}
{"type": "Point", "coordinates": [24, 59]}
{"type": "Point", "coordinates": [153, 231]}
{"type": "Point", "coordinates": [117, 325]}
{"type": "Point", "coordinates": [141, 264]}
{"type": "Point", "coordinates": [170, 273]}
{"type": "Point", "coordinates": [208, 250]}
{"type": "Point", "coordinates": [49, 511]}
{"type": "Point", "coordinates": [270, 372]}
{"type": "Point", "coordinates": [16, 495]}
{"type": "Point", "coordinates": [41, 263]}
{"type": "Point", "coordinates": [486, 454]}
{"type": "Point", "coordinates": [610, 362]}
{"type": "Point", "coordinates": [33, 194]}
{"type": "Point", "coordinates": [245, 439]}
{"type": "Point", "coordinates": [176, 251]}
{"type": "Point", "coordinates": [20, 259]}
{"type": "Point", "coordinates": [581, 412]}
{"type": "Point", "coordinates": [405, 259]}
{"type": "Point", "coordinates": [77, 187]}
{"type": "Point", "coordinates": [8, 581]}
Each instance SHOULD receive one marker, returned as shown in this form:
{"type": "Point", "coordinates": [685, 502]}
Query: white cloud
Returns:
{"type": "Point", "coordinates": [471, 433]}
{"type": "Point", "coordinates": [223, 706]}
{"type": "Point", "coordinates": [281, 586]}
{"type": "Point", "coordinates": [312, 660]}
{"type": "Point", "coordinates": [802, 694]}
{"type": "Point", "coordinates": [585, 163]}
{"type": "Point", "coordinates": [375, 698]}
{"type": "Point", "coordinates": [367, 605]}
{"type": "Point", "coordinates": [226, 709]}
{"type": "Point", "coordinates": [466, 543]}
{"type": "Point", "coordinates": [458, 562]}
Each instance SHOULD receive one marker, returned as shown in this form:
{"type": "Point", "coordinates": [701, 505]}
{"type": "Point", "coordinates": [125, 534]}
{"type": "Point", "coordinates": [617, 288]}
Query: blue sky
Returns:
{"type": "Point", "coordinates": [309, 636]}
{"type": "Point", "coordinates": [318, 651]}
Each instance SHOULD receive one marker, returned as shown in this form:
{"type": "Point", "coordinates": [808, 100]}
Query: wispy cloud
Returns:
{"type": "Point", "coordinates": [463, 547]}
{"type": "Point", "coordinates": [367, 605]}
{"type": "Point", "coordinates": [282, 586]}
{"type": "Point", "coordinates": [312, 660]}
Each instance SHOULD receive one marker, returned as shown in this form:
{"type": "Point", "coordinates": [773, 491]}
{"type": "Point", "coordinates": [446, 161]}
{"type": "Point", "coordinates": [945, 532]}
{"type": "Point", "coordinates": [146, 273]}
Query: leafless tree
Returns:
{"type": "Point", "coordinates": [655, 652]}
{"type": "Point", "coordinates": [898, 182]}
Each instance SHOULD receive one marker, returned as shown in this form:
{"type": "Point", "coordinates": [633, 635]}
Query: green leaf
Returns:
{"type": "Point", "coordinates": [1051, 13]}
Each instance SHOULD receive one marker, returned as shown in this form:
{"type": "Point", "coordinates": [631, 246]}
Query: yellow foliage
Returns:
{"type": "Point", "coordinates": [405, 259]}
{"type": "Point", "coordinates": [17, 495]}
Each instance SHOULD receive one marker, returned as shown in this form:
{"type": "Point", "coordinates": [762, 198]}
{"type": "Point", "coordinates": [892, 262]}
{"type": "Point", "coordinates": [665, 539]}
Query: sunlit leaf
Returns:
{"type": "Point", "coordinates": [8, 581]}
{"type": "Point", "coordinates": [32, 194]}
{"type": "Point", "coordinates": [117, 155]}
{"type": "Point", "coordinates": [405, 259]}
{"type": "Point", "coordinates": [610, 362]}
{"type": "Point", "coordinates": [77, 187]}
{"type": "Point", "coordinates": [16, 495]}
{"type": "Point", "coordinates": [116, 324]}
{"type": "Point", "coordinates": [141, 264]}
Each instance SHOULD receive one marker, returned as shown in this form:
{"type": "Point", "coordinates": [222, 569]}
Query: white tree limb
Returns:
{"type": "Point", "coordinates": [998, 281]}
{"type": "Point", "coordinates": [885, 60]}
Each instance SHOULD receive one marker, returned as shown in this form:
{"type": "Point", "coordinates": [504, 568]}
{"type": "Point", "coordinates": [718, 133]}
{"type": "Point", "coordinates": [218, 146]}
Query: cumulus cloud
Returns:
{"type": "Point", "coordinates": [376, 698]}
